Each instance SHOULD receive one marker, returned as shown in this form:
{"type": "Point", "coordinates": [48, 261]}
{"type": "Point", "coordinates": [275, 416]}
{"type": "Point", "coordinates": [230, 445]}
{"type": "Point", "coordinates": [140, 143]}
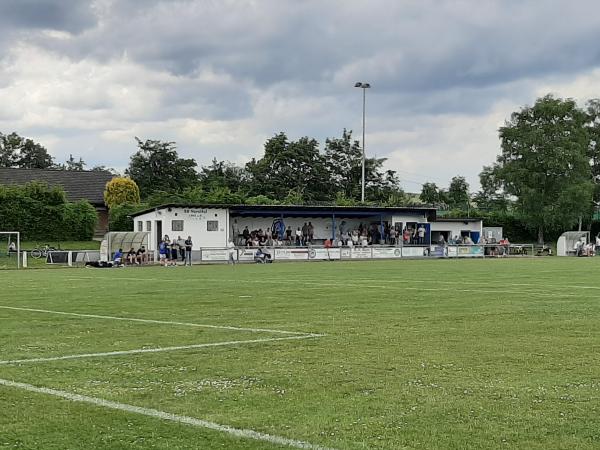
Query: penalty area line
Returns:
{"type": "Point", "coordinates": [162, 322]}
{"type": "Point", "coordinates": [156, 350]}
{"type": "Point", "coordinates": [155, 413]}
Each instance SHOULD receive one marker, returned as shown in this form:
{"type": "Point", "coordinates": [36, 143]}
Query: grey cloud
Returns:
{"type": "Point", "coordinates": [72, 16]}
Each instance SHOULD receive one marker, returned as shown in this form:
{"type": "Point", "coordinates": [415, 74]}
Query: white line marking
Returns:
{"type": "Point", "coordinates": [155, 350]}
{"type": "Point", "coordinates": [237, 432]}
{"type": "Point", "coordinates": [163, 322]}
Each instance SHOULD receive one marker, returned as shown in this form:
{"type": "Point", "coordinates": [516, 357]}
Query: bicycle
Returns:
{"type": "Point", "coordinates": [39, 252]}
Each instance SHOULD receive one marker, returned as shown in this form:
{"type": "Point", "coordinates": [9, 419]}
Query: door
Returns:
{"type": "Point", "coordinates": [159, 234]}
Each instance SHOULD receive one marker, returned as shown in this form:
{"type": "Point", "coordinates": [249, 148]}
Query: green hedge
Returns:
{"type": "Point", "coordinates": [39, 212]}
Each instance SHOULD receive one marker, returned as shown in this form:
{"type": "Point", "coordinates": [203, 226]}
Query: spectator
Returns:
{"type": "Point", "coordinates": [131, 256]}
{"type": "Point", "coordinates": [141, 255]}
{"type": "Point", "coordinates": [311, 232]}
{"type": "Point", "coordinates": [288, 235]}
{"type": "Point", "coordinates": [442, 241]}
{"type": "Point", "coordinates": [188, 251]}
{"type": "Point", "coordinates": [261, 256]}
{"type": "Point", "coordinates": [181, 244]}
{"type": "Point", "coordinates": [163, 251]}
{"type": "Point", "coordinates": [392, 236]}
{"type": "Point", "coordinates": [231, 252]}
{"type": "Point", "coordinates": [578, 247]}
{"type": "Point", "coordinates": [118, 257]}
{"type": "Point", "coordinates": [327, 243]}
{"type": "Point", "coordinates": [304, 233]}
{"type": "Point", "coordinates": [246, 235]}
{"type": "Point", "coordinates": [298, 237]}
{"type": "Point", "coordinates": [12, 248]}
{"type": "Point", "coordinates": [421, 234]}
{"type": "Point", "coordinates": [406, 236]}
{"type": "Point", "coordinates": [174, 251]}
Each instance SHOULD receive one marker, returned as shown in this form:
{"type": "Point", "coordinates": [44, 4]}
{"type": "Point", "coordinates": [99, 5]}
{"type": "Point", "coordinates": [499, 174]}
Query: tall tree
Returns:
{"type": "Point", "coordinates": [290, 166]}
{"type": "Point", "coordinates": [545, 163]}
{"type": "Point", "coordinates": [430, 193]}
{"type": "Point", "coordinates": [491, 197]}
{"type": "Point", "coordinates": [17, 151]}
{"type": "Point", "coordinates": [343, 158]}
{"type": "Point", "coordinates": [223, 174]}
{"type": "Point", "coordinates": [343, 161]}
{"type": "Point", "coordinates": [593, 129]}
{"type": "Point", "coordinates": [458, 193]}
{"type": "Point", "coordinates": [156, 166]}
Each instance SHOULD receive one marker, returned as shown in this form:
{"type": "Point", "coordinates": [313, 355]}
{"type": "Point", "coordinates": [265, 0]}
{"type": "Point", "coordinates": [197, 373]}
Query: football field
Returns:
{"type": "Point", "coordinates": [423, 354]}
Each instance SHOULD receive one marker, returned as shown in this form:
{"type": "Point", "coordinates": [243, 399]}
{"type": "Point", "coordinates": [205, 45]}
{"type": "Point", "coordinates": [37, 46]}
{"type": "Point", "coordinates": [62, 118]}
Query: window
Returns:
{"type": "Point", "coordinates": [176, 225]}
{"type": "Point", "coordinates": [212, 225]}
{"type": "Point", "coordinates": [140, 225]}
{"type": "Point", "coordinates": [148, 225]}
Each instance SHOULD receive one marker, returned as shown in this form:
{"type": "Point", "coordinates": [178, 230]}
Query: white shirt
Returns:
{"type": "Point", "coordinates": [231, 247]}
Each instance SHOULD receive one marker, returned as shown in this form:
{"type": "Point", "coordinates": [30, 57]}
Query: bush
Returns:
{"type": "Point", "coordinates": [119, 218]}
{"type": "Point", "coordinates": [121, 190]}
{"type": "Point", "coordinates": [42, 213]}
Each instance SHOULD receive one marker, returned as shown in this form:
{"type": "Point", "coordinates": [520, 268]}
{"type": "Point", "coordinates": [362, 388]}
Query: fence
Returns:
{"type": "Point", "coordinates": [316, 253]}
{"type": "Point", "coordinates": [372, 252]}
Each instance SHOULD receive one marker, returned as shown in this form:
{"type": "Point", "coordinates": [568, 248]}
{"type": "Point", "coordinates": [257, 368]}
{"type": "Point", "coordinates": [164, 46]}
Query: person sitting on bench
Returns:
{"type": "Point", "coordinates": [262, 257]}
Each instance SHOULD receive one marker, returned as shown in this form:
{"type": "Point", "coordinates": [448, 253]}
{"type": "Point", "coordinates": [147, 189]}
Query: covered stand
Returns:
{"type": "Point", "coordinates": [565, 246]}
{"type": "Point", "coordinates": [123, 240]}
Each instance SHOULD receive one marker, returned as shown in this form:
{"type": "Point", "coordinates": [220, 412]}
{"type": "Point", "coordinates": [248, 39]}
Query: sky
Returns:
{"type": "Point", "coordinates": [219, 77]}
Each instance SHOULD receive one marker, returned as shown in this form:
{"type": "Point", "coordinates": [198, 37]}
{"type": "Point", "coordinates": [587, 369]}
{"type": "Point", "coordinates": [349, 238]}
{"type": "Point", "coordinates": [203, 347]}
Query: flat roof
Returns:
{"type": "Point", "coordinates": [454, 219]}
{"type": "Point", "coordinates": [269, 210]}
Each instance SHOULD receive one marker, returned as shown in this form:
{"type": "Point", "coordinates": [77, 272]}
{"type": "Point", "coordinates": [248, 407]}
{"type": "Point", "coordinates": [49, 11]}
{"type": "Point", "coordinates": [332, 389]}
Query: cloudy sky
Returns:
{"type": "Point", "coordinates": [220, 77]}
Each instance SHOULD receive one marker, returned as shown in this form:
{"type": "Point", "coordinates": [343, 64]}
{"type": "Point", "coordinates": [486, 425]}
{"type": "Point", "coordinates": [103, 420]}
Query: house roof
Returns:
{"type": "Point", "coordinates": [300, 210]}
{"type": "Point", "coordinates": [78, 185]}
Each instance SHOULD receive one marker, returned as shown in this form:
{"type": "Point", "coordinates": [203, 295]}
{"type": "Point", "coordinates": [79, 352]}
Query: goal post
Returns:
{"type": "Point", "coordinates": [10, 250]}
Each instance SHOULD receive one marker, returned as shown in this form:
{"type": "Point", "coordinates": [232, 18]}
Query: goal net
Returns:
{"type": "Point", "coordinates": [10, 250]}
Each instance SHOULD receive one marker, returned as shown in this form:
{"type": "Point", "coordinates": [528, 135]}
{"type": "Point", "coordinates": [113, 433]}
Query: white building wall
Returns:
{"type": "Point", "coordinates": [455, 228]}
{"type": "Point", "coordinates": [195, 224]}
{"type": "Point", "coordinates": [405, 218]}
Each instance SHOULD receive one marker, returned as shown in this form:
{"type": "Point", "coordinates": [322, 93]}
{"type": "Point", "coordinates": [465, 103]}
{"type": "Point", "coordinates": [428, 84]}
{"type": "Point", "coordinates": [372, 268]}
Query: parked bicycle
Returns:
{"type": "Point", "coordinates": [42, 251]}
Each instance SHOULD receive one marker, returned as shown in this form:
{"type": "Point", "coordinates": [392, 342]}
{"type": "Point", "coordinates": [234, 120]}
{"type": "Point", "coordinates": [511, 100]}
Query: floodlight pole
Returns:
{"type": "Point", "coordinates": [364, 87]}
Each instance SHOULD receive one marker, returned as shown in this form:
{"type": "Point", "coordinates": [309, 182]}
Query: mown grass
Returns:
{"type": "Point", "coordinates": [417, 354]}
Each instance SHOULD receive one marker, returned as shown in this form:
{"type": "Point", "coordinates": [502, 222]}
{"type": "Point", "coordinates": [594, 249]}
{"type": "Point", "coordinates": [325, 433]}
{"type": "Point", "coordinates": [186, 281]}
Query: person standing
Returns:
{"type": "Point", "coordinates": [304, 233]}
{"type": "Point", "coordinates": [182, 251]}
{"type": "Point", "coordinates": [231, 252]}
{"type": "Point", "coordinates": [311, 232]}
{"type": "Point", "coordinates": [421, 234]}
{"type": "Point", "coordinates": [188, 251]}
{"type": "Point", "coordinates": [174, 251]}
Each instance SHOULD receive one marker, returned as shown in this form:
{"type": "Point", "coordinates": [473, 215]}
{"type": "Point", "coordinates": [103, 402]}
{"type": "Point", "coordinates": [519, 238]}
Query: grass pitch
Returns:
{"type": "Point", "coordinates": [440, 354]}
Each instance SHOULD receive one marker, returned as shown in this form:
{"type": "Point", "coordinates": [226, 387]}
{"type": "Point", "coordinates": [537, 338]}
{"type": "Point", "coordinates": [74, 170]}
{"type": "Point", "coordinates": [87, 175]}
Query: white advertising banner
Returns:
{"type": "Point", "coordinates": [324, 253]}
{"type": "Point", "coordinates": [414, 251]}
{"type": "Point", "coordinates": [291, 253]}
{"type": "Point", "coordinates": [214, 254]}
{"type": "Point", "coordinates": [246, 254]}
{"type": "Point", "coordinates": [360, 252]}
{"type": "Point", "coordinates": [387, 252]}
